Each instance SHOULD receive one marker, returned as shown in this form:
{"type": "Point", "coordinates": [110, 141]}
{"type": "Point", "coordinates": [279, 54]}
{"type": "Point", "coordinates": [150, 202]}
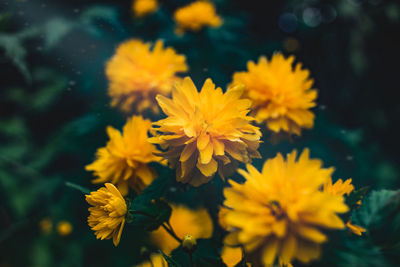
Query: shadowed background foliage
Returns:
{"type": "Point", "coordinates": [54, 110]}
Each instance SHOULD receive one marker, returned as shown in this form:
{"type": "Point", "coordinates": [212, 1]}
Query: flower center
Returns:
{"type": "Point", "coordinates": [276, 209]}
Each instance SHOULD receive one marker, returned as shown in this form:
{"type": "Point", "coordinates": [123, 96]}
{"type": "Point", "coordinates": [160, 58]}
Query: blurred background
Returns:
{"type": "Point", "coordinates": [54, 104]}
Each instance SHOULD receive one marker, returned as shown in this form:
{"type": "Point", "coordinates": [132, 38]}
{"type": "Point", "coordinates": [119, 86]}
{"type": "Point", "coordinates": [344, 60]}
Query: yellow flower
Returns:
{"type": "Point", "coordinates": [46, 225]}
{"type": "Point", "coordinates": [281, 94]}
{"type": "Point", "coordinates": [196, 222]}
{"type": "Point", "coordinates": [137, 74]}
{"type": "Point", "coordinates": [156, 260]}
{"type": "Point", "coordinates": [231, 256]}
{"type": "Point", "coordinates": [278, 214]}
{"type": "Point", "coordinates": [64, 228]}
{"type": "Point", "coordinates": [107, 216]}
{"type": "Point", "coordinates": [144, 7]}
{"type": "Point", "coordinates": [124, 160]}
{"type": "Point", "coordinates": [355, 229]}
{"type": "Point", "coordinates": [195, 16]}
{"type": "Point", "coordinates": [205, 132]}
{"type": "Point", "coordinates": [340, 188]}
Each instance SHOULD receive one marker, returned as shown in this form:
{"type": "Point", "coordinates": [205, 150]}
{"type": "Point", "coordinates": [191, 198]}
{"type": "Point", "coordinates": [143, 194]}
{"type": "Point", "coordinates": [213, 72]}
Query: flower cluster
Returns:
{"type": "Point", "coordinates": [275, 216]}
{"type": "Point", "coordinates": [196, 16]}
{"type": "Point", "coordinates": [281, 94]}
{"type": "Point", "coordinates": [137, 74]}
{"type": "Point", "coordinates": [206, 131]}
{"type": "Point", "coordinates": [124, 160]}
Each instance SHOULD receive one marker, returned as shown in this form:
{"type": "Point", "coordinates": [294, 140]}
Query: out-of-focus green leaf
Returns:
{"type": "Point", "coordinates": [14, 49]}
{"type": "Point", "coordinates": [360, 252]}
{"type": "Point", "coordinates": [92, 15]}
{"type": "Point", "coordinates": [55, 29]}
{"type": "Point", "coordinates": [150, 215]}
{"type": "Point", "coordinates": [4, 18]}
{"type": "Point", "coordinates": [380, 215]}
{"type": "Point", "coordinates": [23, 195]}
{"type": "Point", "coordinates": [53, 86]}
{"type": "Point", "coordinates": [377, 206]}
{"type": "Point", "coordinates": [169, 260]}
{"type": "Point", "coordinates": [39, 252]}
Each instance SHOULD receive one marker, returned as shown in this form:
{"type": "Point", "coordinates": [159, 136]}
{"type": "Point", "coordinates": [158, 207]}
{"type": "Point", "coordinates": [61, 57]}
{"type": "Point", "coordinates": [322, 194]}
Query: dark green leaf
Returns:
{"type": "Point", "coordinates": [150, 215]}
{"type": "Point", "coordinates": [169, 260]}
{"type": "Point", "coordinates": [377, 206]}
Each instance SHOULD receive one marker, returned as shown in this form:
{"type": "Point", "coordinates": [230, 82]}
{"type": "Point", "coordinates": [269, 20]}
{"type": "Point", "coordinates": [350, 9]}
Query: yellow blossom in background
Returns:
{"type": "Point", "coordinates": [144, 7]}
{"type": "Point", "coordinates": [137, 73]}
{"type": "Point", "coordinates": [341, 188]}
{"type": "Point", "coordinates": [64, 228]}
{"type": "Point", "coordinates": [281, 93]}
{"type": "Point", "coordinates": [279, 214]}
{"type": "Point", "coordinates": [107, 216]}
{"type": "Point", "coordinates": [46, 225]}
{"type": "Point", "coordinates": [184, 221]}
{"type": "Point", "coordinates": [196, 16]}
{"type": "Point", "coordinates": [156, 260]}
{"type": "Point", "coordinates": [124, 160]}
{"type": "Point", "coordinates": [231, 256]}
{"type": "Point", "coordinates": [205, 132]}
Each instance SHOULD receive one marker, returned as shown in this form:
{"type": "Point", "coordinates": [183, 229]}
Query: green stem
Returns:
{"type": "Point", "coordinates": [191, 259]}
{"type": "Point", "coordinates": [172, 233]}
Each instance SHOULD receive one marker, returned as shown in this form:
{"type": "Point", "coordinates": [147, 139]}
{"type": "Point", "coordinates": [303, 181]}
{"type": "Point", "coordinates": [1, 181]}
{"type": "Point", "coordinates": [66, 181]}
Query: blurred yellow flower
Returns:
{"type": "Point", "coordinates": [64, 228]}
{"type": "Point", "coordinates": [195, 16]}
{"type": "Point", "coordinates": [184, 221]}
{"type": "Point", "coordinates": [205, 132]}
{"type": "Point", "coordinates": [46, 225]}
{"type": "Point", "coordinates": [144, 7]}
{"type": "Point", "coordinates": [137, 74]}
{"type": "Point", "coordinates": [156, 260]}
{"type": "Point", "coordinates": [340, 188]}
{"type": "Point", "coordinates": [124, 160]}
{"type": "Point", "coordinates": [281, 94]}
{"type": "Point", "coordinates": [278, 214]}
{"type": "Point", "coordinates": [231, 256]}
{"type": "Point", "coordinates": [107, 216]}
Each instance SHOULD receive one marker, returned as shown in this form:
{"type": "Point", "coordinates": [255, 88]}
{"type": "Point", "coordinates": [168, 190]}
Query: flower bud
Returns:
{"type": "Point", "coordinates": [189, 243]}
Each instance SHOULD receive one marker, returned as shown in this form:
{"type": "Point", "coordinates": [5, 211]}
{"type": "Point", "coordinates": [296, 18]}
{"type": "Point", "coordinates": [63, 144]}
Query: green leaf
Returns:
{"type": "Point", "coordinates": [82, 189]}
{"type": "Point", "coordinates": [151, 215]}
{"type": "Point", "coordinates": [377, 206]}
{"type": "Point", "coordinates": [12, 44]}
{"type": "Point", "coordinates": [90, 17]}
{"type": "Point", "coordinates": [53, 84]}
{"type": "Point", "coordinates": [379, 213]}
{"type": "Point", "coordinates": [55, 29]}
{"type": "Point", "coordinates": [4, 18]}
{"type": "Point", "coordinates": [169, 260]}
{"type": "Point", "coordinates": [360, 252]}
